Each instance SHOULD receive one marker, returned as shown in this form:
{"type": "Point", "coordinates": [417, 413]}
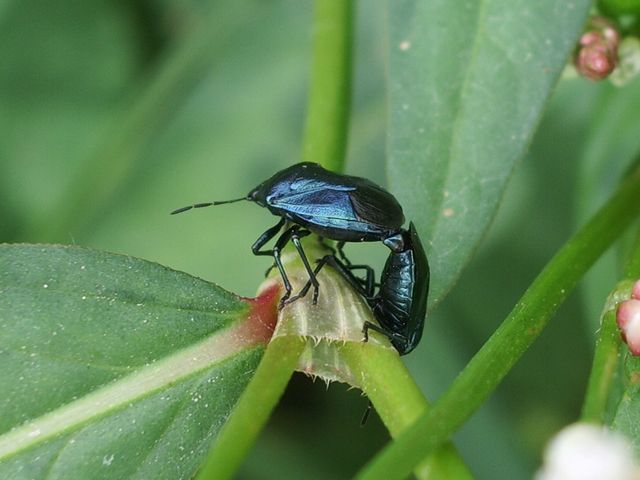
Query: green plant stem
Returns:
{"type": "Point", "coordinates": [607, 357]}
{"type": "Point", "coordinates": [606, 361]}
{"type": "Point", "coordinates": [523, 325]}
{"type": "Point", "coordinates": [326, 125]}
{"type": "Point", "coordinates": [380, 374]}
{"type": "Point", "coordinates": [253, 409]}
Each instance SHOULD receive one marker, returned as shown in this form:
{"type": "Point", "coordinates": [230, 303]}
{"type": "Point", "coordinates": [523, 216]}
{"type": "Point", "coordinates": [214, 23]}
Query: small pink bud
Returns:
{"type": "Point", "coordinates": [590, 38]}
{"type": "Point", "coordinates": [607, 28]}
{"type": "Point", "coordinates": [628, 319]}
{"type": "Point", "coordinates": [635, 291]}
{"type": "Point", "coordinates": [597, 55]}
{"type": "Point", "coordinates": [595, 61]}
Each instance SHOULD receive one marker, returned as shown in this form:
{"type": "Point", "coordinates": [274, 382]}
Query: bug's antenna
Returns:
{"type": "Point", "coordinates": [207, 204]}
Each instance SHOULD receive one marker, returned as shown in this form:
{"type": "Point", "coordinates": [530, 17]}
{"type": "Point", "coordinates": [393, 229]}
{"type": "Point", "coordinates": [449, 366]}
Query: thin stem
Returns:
{"type": "Point", "coordinates": [509, 342]}
{"type": "Point", "coordinates": [326, 126]}
{"type": "Point", "coordinates": [253, 409]}
{"type": "Point", "coordinates": [606, 361]}
{"type": "Point", "coordinates": [399, 401]}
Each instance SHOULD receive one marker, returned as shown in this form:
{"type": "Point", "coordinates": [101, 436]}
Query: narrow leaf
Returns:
{"type": "Point", "coordinates": [467, 85]}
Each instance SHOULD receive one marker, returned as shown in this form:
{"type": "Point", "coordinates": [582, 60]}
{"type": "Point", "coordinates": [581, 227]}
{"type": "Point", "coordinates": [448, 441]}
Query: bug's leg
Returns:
{"type": "Point", "coordinates": [277, 248]}
{"type": "Point", "coordinates": [369, 280]}
{"type": "Point", "coordinates": [275, 253]}
{"type": "Point", "coordinates": [340, 249]}
{"type": "Point", "coordinates": [376, 328]}
{"type": "Point", "coordinates": [265, 237]}
{"type": "Point", "coordinates": [273, 265]}
{"type": "Point", "coordinates": [309, 283]}
{"type": "Point", "coordinates": [345, 271]}
{"type": "Point", "coordinates": [296, 235]}
{"type": "Point", "coordinates": [365, 415]}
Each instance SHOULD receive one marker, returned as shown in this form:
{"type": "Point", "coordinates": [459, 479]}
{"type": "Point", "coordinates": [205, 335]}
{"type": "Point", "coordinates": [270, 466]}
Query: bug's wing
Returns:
{"type": "Point", "coordinates": [319, 203]}
{"type": "Point", "coordinates": [377, 206]}
{"type": "Point", "coordinates": [311, 185]}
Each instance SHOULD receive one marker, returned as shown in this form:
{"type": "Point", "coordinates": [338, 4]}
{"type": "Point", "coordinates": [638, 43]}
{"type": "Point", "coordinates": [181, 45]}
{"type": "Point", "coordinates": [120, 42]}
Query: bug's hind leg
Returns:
{"type": "Point", "coordinates": [343, 257]}
{"type": "Point", "coordinates": [396, 338]}
{"type": "Point", "coordinates": [337, 251]}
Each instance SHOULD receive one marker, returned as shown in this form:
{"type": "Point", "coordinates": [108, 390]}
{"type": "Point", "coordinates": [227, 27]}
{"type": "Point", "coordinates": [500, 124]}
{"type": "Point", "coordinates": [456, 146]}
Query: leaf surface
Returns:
{"type": "Point", "coordinates": [115, 367]}
{"type": "Point", "coordinates": [467, 85]}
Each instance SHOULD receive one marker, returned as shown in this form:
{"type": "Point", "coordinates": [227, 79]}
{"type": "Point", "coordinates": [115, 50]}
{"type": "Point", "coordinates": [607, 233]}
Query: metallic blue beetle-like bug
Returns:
{"type": "Point", "coordinates": [310, 199]}
{"type": "Point", "coordinates": [400, 305]}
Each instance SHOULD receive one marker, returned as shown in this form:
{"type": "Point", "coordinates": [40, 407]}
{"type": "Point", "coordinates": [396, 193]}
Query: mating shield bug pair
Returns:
{"type": "Point", "coordinates": [310, 199]}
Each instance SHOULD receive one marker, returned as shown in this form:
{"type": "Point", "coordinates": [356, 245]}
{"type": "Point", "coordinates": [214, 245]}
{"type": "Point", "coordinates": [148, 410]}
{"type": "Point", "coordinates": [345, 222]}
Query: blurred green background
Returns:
{"type": "Point", "coordinates": [113, 113]}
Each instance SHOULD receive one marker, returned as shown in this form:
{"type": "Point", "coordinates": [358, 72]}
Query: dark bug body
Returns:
{"type": "Point", "coordinates": [310, 199]}
{"type": "Point", "coordinates": [400, 305]}
{"type": "Point", "coordinates": [334, 206]}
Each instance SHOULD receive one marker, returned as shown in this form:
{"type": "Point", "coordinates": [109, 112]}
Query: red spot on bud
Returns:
{"type": "Point", "coordinates": [263, 316]}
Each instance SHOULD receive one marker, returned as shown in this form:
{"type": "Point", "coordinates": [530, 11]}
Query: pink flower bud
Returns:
{"type": "Point", "coordinates": [628, 318]}
{"type": "Point", "coordinates": [595, 62]}
{"type": "Point", "coordinates": [597, 56]}
{"type": "Point", "coordinates": [590, 38]}
{"type": "Point", "coordinates": [635, 291]}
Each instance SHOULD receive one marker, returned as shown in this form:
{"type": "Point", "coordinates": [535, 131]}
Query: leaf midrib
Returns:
{"type": "Point", "coordinates": [152, 378]}
{"type": "Point", "coordinates": [459, 107]}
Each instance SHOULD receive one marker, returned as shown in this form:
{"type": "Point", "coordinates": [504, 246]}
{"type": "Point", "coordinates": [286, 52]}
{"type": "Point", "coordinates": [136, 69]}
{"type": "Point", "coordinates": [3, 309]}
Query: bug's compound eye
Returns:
{"type": "Point", "coordinates": [254, 196]}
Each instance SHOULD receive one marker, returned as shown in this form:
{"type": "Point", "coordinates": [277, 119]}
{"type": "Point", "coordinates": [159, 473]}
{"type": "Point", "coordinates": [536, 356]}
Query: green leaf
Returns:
{"type": "Point", "coordinates": [116, 367]}
{"type": "Point", "coordinates": [467, 85]}
{"type": "Point", "coordinates": [627, 413]}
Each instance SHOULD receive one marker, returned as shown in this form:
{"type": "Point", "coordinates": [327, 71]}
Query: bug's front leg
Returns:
{"type": "Point", "coordinates": [275, 252]}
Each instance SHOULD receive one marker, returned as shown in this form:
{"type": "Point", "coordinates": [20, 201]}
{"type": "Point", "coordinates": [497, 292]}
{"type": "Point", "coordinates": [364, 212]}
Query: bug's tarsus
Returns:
{"type": "Point", "coordinates": [320, 263]}
{"type": "Point", "coordinates": [365, 415]}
